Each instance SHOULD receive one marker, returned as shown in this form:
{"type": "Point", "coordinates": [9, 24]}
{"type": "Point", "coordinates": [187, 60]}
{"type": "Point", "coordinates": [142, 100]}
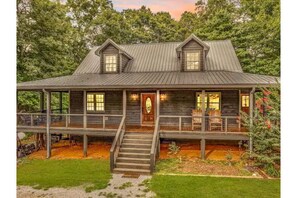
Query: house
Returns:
{"type": "Point", "coordinates": [141, 93]}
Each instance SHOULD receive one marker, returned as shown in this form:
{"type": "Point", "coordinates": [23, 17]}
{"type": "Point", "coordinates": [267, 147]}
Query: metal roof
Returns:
{"type": "Point", "coordinates": [161, 57]}
{"type": "Point", "coordinates": [210, 79]}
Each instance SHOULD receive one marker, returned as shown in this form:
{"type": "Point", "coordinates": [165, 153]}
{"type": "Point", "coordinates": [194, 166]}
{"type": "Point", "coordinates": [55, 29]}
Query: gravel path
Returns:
{"type": "Point", "coordinates": [118, 187]}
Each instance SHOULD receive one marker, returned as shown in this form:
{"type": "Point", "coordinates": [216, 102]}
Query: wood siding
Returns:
{"type": "Point", "coordinates": [113, 105]}
{"type": "Point", "coordinates": [190, 47]}
{"type": "Point", "coordinates": [125, 61]}
{"type": "Point", "coordinates": [110, 49]}
{"type": "Point", "coordinates": [133, 109]}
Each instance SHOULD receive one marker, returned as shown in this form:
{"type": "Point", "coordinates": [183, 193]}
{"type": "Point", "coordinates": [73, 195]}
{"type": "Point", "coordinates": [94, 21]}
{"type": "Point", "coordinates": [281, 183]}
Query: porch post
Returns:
{"type": "Point", "coordinates": [251, 118]}
{"type": "Point", "coordinates": [202, 148]}
{"type": "Point", "coordinates": [85, 145]}
{"type": "Point", "coordinates": [85, 109]}
{"type": "Point", "coordinates": [41, 101]}
{"type": "Point", "coordinates": [124, 102]}
{"type": "Point", "coordinates": [158, 103]}
{"type": "Point", "coordinates": [203, 111]}
{"type": "Point", "coordinates": [48, 123]}
{"type": "Point", "coordinates": [61, 102]}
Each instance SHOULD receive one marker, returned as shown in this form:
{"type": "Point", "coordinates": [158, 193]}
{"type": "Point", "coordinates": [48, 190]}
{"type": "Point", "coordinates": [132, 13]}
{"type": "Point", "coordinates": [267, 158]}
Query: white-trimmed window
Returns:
{"type": "Point", "coordinates": [95, 102]}
{"type": "Point", "coordinates": [110, 63]}
{"type": "Point", "coordinates": [193, 60]}
{"type": "Point", "coordinates": [212, 100]}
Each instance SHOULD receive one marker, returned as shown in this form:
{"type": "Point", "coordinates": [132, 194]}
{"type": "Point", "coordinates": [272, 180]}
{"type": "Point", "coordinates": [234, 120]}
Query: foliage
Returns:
{"type": "Point", "coordinates": [164, 185]}
{"type": "Point", "coordinates": [229, 157]}
{"type": "Point", "coordinates": [93, 174]}
{"type": "Point", "coordinates": [173, 148]}
{"type": "Point", "coordinates": [125, 185]}
{"type": "Point", "coordinates": [265, 131]}
{"type": "Point", "coordinates": [53, 37]}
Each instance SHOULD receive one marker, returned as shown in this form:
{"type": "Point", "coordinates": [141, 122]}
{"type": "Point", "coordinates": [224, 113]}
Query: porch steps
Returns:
{"type": "Point", "coordinates": [134, 153]}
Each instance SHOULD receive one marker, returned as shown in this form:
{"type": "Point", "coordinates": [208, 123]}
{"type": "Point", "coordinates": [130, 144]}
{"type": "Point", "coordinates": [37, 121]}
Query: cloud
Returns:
{"type": "Point", "coordinates": [174, 7]}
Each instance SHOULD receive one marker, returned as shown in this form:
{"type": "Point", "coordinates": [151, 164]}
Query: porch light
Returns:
{"type": "Point", "coordinates": [163, 97]}
{"type": "Point", "coordinates": [134, 96]}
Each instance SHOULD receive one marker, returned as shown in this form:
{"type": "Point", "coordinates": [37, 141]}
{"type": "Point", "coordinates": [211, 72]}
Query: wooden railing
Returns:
{"type": "Point", "coordinates": [223, 124]}
{"type": "Point", "coordinates": [155, 149]}
{"type": "Point", "coordinates": [88, 121]}
{"type": "Point", "coordinates": [114, 150]}
{"type": "Point", "coordinates": [31, 119]}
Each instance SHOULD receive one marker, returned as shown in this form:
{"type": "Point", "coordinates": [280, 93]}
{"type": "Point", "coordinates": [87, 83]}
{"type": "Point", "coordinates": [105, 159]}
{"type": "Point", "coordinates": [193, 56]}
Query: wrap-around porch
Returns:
{"type": "Point", "coordinates": [170, 114]}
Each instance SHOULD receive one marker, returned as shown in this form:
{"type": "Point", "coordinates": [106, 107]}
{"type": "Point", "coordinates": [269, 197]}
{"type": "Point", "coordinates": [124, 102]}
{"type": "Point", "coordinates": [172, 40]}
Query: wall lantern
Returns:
{"type": "Point", "coordinates": [163, 97]}
{"type": "Point", "coordinates": [134, 96]}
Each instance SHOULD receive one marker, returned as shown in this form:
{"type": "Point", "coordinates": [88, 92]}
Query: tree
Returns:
{"type": "Point", "coordinates": [257, 36]}
{"type": "Point", "coordinates": [265, 131]}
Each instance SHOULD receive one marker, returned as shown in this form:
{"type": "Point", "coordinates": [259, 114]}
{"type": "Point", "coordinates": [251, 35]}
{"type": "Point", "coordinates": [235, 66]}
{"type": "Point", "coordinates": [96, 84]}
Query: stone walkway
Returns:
{"type": "Point", "coordinates": [118, 187]}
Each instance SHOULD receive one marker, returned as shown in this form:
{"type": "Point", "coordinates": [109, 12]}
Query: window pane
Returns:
{"type": "Point", "coordinates": [110, 63]}
{"type": "Point", "coordinates": [192, 60]}
{"type": "Point", "coordinates": [199, 101]}
{"type": "Point", "coordinates": [245, 101]}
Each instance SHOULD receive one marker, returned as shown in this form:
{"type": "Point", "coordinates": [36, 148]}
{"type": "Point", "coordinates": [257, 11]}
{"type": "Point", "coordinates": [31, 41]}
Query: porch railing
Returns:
{"type": "Point", "coordinates": [88, 121]}
{"type": "Point", "coordinates": [114, 150]}
{"type": "Point", "coordinates": [155, 149]}
{"type": "Point", "coordinates": [201, 124]}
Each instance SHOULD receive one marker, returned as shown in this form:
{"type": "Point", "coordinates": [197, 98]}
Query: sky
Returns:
{"type": "Point", "coordinates": [174, 7]}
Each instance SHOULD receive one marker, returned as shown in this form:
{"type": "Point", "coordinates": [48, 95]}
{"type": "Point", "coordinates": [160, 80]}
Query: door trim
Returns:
{"type": "Point", "coordinates": [141, 123]}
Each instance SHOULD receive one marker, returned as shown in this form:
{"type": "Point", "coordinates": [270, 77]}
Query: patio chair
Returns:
{"type": "Point", "coordinates": [196, 121]}
{"type": "Point", "coordinates": [215, 120]}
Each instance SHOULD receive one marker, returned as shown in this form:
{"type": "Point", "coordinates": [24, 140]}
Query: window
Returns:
{"type": "Point", "coordinates": [95, 102]}
{"type": "Point", "coordinates": [193, 60]}
{"type": "Point", "coordinates": [212, 101]}
{"type": "Point", "coordinates": [245, 101]}
{"type": "Point", "coordinates": [110, 63]}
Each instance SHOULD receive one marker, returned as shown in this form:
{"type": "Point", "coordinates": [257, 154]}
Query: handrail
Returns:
{"type": "Point", "coordinates": [155, 143]}
{"type": "Point", "coordinates": [117, 140]}
{"type": "Point", "coordinates": [182, 116]}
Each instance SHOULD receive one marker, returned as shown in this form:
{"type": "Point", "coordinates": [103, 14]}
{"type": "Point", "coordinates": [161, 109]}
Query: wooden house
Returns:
{"type": "Point", "coordinates": [141, 93]}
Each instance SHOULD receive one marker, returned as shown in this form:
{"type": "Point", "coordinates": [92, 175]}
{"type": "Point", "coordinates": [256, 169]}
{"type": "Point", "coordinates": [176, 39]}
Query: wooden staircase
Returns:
{"type": "Point", "coordinates": [134, 153]}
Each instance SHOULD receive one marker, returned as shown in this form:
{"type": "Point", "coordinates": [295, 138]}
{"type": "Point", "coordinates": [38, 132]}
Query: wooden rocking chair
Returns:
{"type": "Point", "coordinates": [215, 120]}
{"type": "Point", "coordinates": [196, 121]}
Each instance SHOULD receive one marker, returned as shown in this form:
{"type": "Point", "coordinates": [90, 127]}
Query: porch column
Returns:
{"type": "Point", "coordinates": [85, 138]}
{"type": "Point", "coordinates": [85, 145]}
{"type": "Point", "coordinates": [61, 102]}
{"type": "Point", "coordinates": [158, 103]}
{"type": "Point", "coordinates": [48, 123]}
{"type": "Point", "coordinates": [251, 118]}
{"type": "Point", "coordinates": [85, 109]}
{"type": "Point", "coordinates": [124, 102]}
{"type": "Point", "coordinates": [202, 148]}
{"type": "Point", "coordinates": [41, 101]}
{"type": "Point", "coordinates": [203, 110]}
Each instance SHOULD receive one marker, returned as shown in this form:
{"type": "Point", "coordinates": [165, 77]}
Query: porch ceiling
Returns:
{"type": "Point", "coordinates": [210, 79]}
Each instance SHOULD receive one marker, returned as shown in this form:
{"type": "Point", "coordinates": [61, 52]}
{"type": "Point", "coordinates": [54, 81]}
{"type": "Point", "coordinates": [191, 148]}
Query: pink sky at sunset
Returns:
{"type": "Point", "coordinates": [174, 7]}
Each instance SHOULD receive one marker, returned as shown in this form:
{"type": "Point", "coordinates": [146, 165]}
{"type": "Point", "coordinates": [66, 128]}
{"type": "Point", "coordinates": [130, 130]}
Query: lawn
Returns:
{"type": "Point", "coordinates": [194, 186]}
{"type": "Point", "coordinates": [44, 174]}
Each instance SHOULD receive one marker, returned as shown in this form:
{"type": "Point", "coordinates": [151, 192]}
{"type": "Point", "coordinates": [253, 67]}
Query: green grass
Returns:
{"type": "Point", "coordinates": [193, 186]}
{"type": "Point", "coordinates": [44, 174]}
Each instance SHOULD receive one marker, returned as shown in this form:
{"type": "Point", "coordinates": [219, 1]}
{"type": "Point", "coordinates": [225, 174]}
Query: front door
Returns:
{"type": "Point", "coordinates": [148, 108]}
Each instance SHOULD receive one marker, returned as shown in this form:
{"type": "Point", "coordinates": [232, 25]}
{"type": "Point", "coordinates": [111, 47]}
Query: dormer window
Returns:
{"type": "Point", "coordinates": [110, 63]}
{"type": "Point", "coordinates": [193, 60]}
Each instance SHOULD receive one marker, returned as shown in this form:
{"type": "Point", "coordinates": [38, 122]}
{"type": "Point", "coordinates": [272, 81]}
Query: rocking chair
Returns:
{"type": "Point", "coordinates": [196, 121]}
{"type": "Point", "coordinates": [215, 120]}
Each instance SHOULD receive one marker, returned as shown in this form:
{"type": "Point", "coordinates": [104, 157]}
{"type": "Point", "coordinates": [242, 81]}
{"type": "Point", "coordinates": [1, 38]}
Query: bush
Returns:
{"type": "Point", "coordinates": [173, 148]}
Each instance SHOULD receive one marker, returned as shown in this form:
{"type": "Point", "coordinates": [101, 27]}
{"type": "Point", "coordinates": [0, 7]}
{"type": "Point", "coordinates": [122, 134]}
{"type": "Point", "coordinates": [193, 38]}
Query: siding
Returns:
{"type": "Point", "coordinates": [133, 109]}
{"type": "Point", "coordinates": [182, 103]}
{"type": "Point", "coordinates": [125, 61]}
{"type": "Point", "coordinates": [192, 46]}
{"type": "Point", "coordinates": [113, 105]}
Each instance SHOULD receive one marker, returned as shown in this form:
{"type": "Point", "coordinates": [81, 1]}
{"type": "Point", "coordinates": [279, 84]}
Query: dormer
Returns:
{"type": "Point", "coordinates": [113, 59]}
{"type": "Point", "coordinates": [192, 54]}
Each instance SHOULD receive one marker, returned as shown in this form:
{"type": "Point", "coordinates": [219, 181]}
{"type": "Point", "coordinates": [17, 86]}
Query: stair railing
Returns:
{"type": "Point", "coordinates": [155, 149]}
{"type": "Point", "coordinates": [114, 150]}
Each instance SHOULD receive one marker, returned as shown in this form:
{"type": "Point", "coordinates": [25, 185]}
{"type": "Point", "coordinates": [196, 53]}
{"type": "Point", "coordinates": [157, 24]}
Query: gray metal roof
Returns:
{"type": "Point", "coordinates": [210, 79]}
{"type": "Point", "coordinates": [161, 57]}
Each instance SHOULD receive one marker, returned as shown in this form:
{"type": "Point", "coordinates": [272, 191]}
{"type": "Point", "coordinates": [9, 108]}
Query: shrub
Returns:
{"type": "Point", "coordinates": [173, 148]}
